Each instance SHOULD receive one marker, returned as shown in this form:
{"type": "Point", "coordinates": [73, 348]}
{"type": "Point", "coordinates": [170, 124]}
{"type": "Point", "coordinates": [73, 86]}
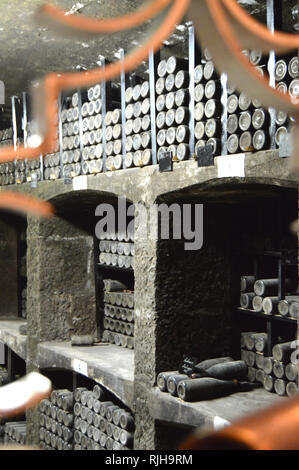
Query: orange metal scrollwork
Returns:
{"type": "Point", "coordinates": [221, 25]}
{"type": "Point", "coordinates": [47, 92]}
{"type": "Point", "coordinates": [226, 30]}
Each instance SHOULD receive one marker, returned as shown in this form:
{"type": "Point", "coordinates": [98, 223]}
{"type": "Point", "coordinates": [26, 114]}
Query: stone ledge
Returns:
{"type": "Point", "coordinates": [169, 409]}
{"type": "Point", "coordinates": [148, 184]}
{"type": "Point", "coordinates": [107, 364]}
{"type": "Point", "coordinates": [9, 335]}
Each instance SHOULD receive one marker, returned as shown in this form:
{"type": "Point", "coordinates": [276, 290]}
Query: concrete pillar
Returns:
{"type": "Point", "coordinates": [61, 289]}
{"type": "Point", "coordinates": [145, 332]}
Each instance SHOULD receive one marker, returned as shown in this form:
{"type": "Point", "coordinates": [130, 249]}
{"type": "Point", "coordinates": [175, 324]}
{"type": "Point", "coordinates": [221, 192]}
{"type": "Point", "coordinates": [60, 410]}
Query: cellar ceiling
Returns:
{"type": "Point", "coordinates": [29, 51]}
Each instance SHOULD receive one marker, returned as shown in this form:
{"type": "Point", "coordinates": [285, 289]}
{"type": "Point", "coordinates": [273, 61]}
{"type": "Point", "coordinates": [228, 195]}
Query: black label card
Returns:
{"type": "Point", "coordinates": [165, 162]}
{"type": "Point", "coordinates": [188, 365]}
{"type": "Point", "coordinates": [205, 156]}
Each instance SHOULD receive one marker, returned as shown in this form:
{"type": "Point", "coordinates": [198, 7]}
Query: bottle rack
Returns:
{"type": "Point", "coordinates": [194, 56]}
{"type": "Point", "coordinates": [285, 260]}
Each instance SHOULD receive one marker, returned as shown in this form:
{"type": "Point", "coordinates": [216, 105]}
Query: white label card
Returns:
{"type": "Point", "coordinates": [80, 367]}
{"type": "Point", "coordinates": [80, 182]}
{"type": "Point", "coordinates": [233, 165]}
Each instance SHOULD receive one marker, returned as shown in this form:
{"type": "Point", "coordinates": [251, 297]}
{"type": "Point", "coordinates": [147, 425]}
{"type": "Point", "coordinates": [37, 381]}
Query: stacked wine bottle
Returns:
{"type": "Point", "coordinates": [262, 296]}
{"type": "Point", "coordinates": [138, 126]}
{"type": "Point", "coordinates": [211, 378]}
{"type": "Point", "coordinates": [248, 123]}
{"type": "Point", "coordinates": [172, 108]}
{"type": "Point", "coordinates": [208, 106]}
{"type": "Point", "coordinates": [56, 421]}
{"type": "Point", "coordinates": [15, 433]}
{"type": "Point", "coordinates": [118, 314]}
{"type": "Point", "coordinates": [100, 423]}
{"type": "Point", "coordinates": [277, 373]}
{"type": "Point", "coordinates": [287, 82]}
{"type": "Point", "coordinates": [117, 249]}
{"type": "Point", "coordinates": [92, 132]}
{"type": "Point", "coordinates": [71, 154]}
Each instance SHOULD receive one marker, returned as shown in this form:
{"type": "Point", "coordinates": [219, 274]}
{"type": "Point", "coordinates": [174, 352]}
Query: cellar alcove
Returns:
{"type": "Point", "coordinates": [65, 296]}
{"type": "Point", "coordinates": [198, 292]}
{"type": "Point", "coordinates": [62, 250]}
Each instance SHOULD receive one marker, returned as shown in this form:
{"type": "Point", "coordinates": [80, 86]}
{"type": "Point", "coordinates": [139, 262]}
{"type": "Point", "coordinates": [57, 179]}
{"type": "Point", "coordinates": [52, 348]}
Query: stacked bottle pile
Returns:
{"type": "Point", "coordinates": [15, 433]}
{"type": "Point", "coordinates": [71, 155]}
{"type": "Point", "coordinates": [208, 107]}
{"type": "Point", "coordinates": [92, 121]}
{"type": "Point", "coordinates": [286, 77]}
{"type": "Point", "coordinates": [101, 424]}
{"type": "Point", "coordinates": [262, 296]}
{"type": "Point", "coordinates": [248, 123]}
{"type": "Point", "coordinates": [276, 373]}
{"type": "Point", "coordinates": [52, 170]}
{"type": "Point", "coordinates": [6, 169]}
{"type": "Point", "coordinates": [138, 126]}
{"type": "Point", "coordinates": [21, 171]}
{"type": "Point", "coordinates": [113, 124]}
{"type": "Point", "coordinates": [117, 250]}
{"type": "Point", "coordinates": [172, 108]}
{"type": "Point", "coordinates": [118, 314]}
{"type": "Point", "coordinates": [56, 421]}
{"type": "Point", "coordinates": [212, 378]}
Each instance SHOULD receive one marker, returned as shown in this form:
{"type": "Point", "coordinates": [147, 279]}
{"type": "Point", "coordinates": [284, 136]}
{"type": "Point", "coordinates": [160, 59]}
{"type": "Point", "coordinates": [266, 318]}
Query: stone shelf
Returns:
{"type": "Point", "coordinates": [107, 364]}
{"type": "Point", "coordinates": [206, 414]}
{"type": "Point", "coordinates": [9, 335]}
{"type": "Point", "coordinates": [186, 179]}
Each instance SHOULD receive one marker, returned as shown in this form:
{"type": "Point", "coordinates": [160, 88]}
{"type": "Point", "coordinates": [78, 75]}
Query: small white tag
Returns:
{"type": "Point", "coordinates": [233, 165]}
{"type": "Point", "coordinates": [80, 182]}
{"type": "Point", "coordinates": [220, 423]}
{"type": "Point", "coordinates": [80, 367]}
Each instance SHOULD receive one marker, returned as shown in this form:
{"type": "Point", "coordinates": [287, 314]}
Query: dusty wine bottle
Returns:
{"type": "Point", "coordinates": [204, 365]}
{"type": "Point", "coordinates": [260, 341]}
{"type": "Point", "coordinates": [291, 372]}
{"type": "Point", "coordinates": [280, 387]}
{"type": "Point", "coordinates": [235, 370]}
{"type": "Point", "coordinates": [269, 383]}
{"type": "Point", "coordinates": [268, 365]}
{"type": "Point", "coordinates": [259, 360]}
{"type": "Point", "coordinates": [246, 300]}
{"type": "Point", "coordinates": [257, 303]}
{"type": "Point", "coordinates": [292, 389]}
{"type": "Point", "coordinates": [173, 381]}
{"type": "Point", "coordinates": [270, 305]}
{"type": "Point", "coordinates": [282, 352]}
{"type": "Point", "coordinates": [278, 370]}
{"type": "Point", "coordinates": [205, 389]}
